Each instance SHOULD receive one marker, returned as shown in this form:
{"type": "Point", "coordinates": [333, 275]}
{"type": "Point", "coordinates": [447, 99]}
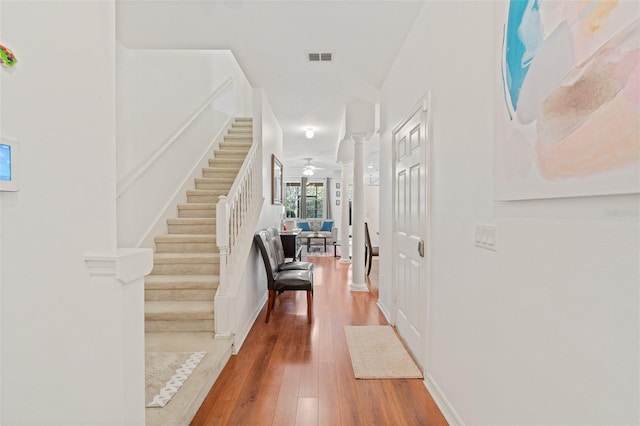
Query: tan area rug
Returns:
{"type": "Point", "coordinates": [376, 353]}
{"type": "Point", "coordinates": [165, 373]}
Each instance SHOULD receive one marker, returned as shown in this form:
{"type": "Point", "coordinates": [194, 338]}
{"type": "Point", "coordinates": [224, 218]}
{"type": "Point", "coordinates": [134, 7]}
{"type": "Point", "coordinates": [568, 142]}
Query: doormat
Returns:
{"type": "Point", "coordinates": [377, 353]}
{"type": "Point", "coordinates": [166, 372]}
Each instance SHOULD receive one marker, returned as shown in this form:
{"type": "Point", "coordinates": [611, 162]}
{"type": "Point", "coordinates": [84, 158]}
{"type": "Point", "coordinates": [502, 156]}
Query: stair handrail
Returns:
{"type": "Point", "coordinates": [236, 217]}
{"type": "Point", "coordinates": [134, 175]}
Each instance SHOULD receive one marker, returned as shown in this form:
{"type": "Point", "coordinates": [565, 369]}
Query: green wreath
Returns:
{"type": "Point", "coordinates": [7, 57]}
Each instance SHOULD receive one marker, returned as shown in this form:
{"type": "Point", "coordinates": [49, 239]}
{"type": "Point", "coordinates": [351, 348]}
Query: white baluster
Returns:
{"type": "Point", "coordinates": [222, 322]}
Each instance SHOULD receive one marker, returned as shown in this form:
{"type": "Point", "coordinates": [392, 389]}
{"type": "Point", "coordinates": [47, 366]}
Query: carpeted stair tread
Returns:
{"type": "Point", "coordinates": [197, 206]}
{"type": "Point", "coordinates": [221, 179]}
{"type": "Point", "coordinates": [238, 137]}
{"type": "Point", "coordinates": [220, 170]}
{"type": "Point", "coordinates": [186, 238]}
{"type": "Point", "coordinates": [185, 258]}
{"type": "Point", "coordinates": [232, 150]}
{"type": "Point", "coordinates": [192, 225]}
{"type": "Point", "coordinates": [205, 195]}
{"type": "Point", "coordinates": [163, 310]}
{"type": "Point", "coordinates": [227, 160]}
{"type": "Point", "coordinates": [242, 125]}
{"type": "Point", "coordinates": [192, 220]}
{"type": "Point", "coordinates": [224, 186]}
{"type": "Point", "coordinates": [186, 243]}
{"type": "Point", "coordinates": [197, 210]}
{"type": "Point", "coordinates": [219, 163]}
{"type": "Point", "coordinates": [207, 192]}
{"type": "Point", "coordinates": [244, 131]}
{"type": "Point", "coordinates": [231, 157]}
{"type": "Point", "coordinates": [236, 145]}
{"type": "Point", "coordinates": [180, 282]}
{"type": "Point", "coordinates": [230, 154]}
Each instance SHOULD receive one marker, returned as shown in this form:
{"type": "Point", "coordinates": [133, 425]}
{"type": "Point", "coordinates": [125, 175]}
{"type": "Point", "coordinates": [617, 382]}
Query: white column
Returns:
{"type": "Point", "coordinates": [357, 266]}
{"type": "Point", "coordinates": [344, 225]}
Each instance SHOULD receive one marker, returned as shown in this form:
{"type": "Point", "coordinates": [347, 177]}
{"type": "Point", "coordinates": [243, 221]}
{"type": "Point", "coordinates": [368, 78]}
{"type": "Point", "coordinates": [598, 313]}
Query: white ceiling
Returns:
{"type": "Point", "coordinates": [271, 40]}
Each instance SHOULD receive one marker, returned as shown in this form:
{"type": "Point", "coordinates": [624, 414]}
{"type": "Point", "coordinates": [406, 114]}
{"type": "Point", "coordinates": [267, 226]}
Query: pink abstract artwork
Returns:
{"type": "Point", "coordinates": [568, 120]}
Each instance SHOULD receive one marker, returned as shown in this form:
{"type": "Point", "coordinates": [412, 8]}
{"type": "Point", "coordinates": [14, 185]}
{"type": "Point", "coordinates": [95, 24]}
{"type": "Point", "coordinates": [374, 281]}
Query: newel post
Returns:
{"type": "Point", "coordinates": [221, 304]}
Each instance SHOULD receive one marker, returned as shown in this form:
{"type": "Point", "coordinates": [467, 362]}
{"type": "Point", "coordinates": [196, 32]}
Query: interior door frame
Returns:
{"type": "Point", "coordinates": [423, 107]}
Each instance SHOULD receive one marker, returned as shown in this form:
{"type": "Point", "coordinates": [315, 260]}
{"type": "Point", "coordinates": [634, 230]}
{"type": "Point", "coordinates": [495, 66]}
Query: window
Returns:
{"type": "Point", "coordinates": [292, 195]}
{"type": "Point", "coordinates": [315, 199]}
{"type": "Point", "coordinates": [312, 199]}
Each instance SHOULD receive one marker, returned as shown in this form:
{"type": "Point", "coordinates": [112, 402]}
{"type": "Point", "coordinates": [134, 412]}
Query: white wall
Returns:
{"type": "Point", "coordinates": [63, 333]}
{"type": "Point", "coordinates": [546, 329]}
{"type": "Point", "coordinates": [272, 143]}
{"type": "Point", "coordinates": [158, 92]}
{"type": "Point", "coordinates": [372, 212]}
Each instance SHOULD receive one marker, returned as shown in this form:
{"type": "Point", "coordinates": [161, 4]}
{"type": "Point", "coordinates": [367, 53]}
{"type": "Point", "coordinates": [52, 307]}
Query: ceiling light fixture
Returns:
{"type": "Point", "coordinates": [307, 172]}
{"type": "Point", "coordinates": [309, 133]}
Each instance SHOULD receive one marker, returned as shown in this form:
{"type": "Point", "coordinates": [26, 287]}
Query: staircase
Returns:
{"type": "Point", "coordinates": [179, 292]}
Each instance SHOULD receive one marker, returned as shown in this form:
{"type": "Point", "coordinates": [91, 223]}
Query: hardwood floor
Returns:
{"type": "Point", "coordinates": [289, 372]}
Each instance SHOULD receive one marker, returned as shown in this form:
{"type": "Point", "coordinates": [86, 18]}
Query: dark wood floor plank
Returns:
{"type": "Point", "coordinates": [289, 372]}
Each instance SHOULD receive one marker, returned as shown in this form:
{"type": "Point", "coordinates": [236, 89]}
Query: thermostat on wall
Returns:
{"type": "Point", "coordinates": [9, 164]}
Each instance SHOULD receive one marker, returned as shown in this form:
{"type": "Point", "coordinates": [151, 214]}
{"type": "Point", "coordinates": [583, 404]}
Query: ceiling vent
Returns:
{"type": "Point", "coordinates": [320, 57]}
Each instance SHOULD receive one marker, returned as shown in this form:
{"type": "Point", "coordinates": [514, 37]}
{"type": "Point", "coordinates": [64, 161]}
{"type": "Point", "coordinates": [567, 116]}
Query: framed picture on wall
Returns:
{"type": "Point", "coordinates": [337, 202]}
{"type": "Point", "coordinates": [337, 185]}
{"type": "Point", "coordinates": [337, 193]}
{"type": "Point", "coordinates": [276, 180]}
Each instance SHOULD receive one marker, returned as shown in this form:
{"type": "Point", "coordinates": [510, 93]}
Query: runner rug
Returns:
{"type": "Point", "coordinates": [166, 372]}
{"type": "Point", "coordinates": [377, 353]}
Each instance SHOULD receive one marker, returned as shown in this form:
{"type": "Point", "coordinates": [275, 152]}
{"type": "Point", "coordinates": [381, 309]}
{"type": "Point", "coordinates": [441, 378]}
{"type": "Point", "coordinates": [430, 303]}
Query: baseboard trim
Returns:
{"type": "Point", "coordinates": [385, 312]}
{"type": "Point", "coordinates": [442, 402]}
{"type": "Point", "coordinates": [242, 334]}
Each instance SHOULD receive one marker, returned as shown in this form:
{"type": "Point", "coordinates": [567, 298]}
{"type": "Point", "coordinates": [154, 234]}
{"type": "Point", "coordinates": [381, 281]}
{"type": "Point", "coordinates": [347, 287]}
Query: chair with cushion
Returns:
{"type": "Point", "coordinates": [279, 281]}
{"type": "Point", "coordinates": [274, 235]}
{"type": "Point", "coordinates": [370, 250]}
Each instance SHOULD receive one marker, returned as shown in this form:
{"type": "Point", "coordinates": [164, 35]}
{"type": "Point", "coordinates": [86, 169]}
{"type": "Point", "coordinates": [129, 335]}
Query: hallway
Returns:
{"type": "Point", "coordinates": [292, 373]}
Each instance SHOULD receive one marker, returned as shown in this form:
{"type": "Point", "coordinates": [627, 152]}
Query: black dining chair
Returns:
{"type": "Point", "coordinates": [369, 250]}
{"type": "Point", "coordinates": [274, 235]}
{"type": "Point", "coordinates": [279, 281]}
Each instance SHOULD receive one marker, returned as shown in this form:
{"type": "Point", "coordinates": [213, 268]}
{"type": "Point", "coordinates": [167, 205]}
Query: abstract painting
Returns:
{"type": "Point", "coordinates": [568, 115]}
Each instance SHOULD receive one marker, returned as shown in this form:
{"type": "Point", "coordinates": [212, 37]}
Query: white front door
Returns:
{"type": "Point", "coordinates": [411, 207]}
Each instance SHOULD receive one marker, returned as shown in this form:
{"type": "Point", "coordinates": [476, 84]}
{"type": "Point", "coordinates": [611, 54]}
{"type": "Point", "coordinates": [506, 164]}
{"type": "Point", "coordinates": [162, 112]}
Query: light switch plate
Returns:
{"type": "Point", "coordinates": [485, 236]}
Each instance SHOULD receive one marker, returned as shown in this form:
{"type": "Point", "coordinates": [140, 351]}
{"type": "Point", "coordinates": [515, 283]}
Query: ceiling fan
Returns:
{"type": "Point", "coordinates": [309, 169]}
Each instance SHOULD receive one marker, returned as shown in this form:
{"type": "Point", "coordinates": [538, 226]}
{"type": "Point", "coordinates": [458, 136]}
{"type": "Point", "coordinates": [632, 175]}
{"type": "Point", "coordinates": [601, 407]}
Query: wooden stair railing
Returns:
{"type": "Point", "coordinates": [236, 218]}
